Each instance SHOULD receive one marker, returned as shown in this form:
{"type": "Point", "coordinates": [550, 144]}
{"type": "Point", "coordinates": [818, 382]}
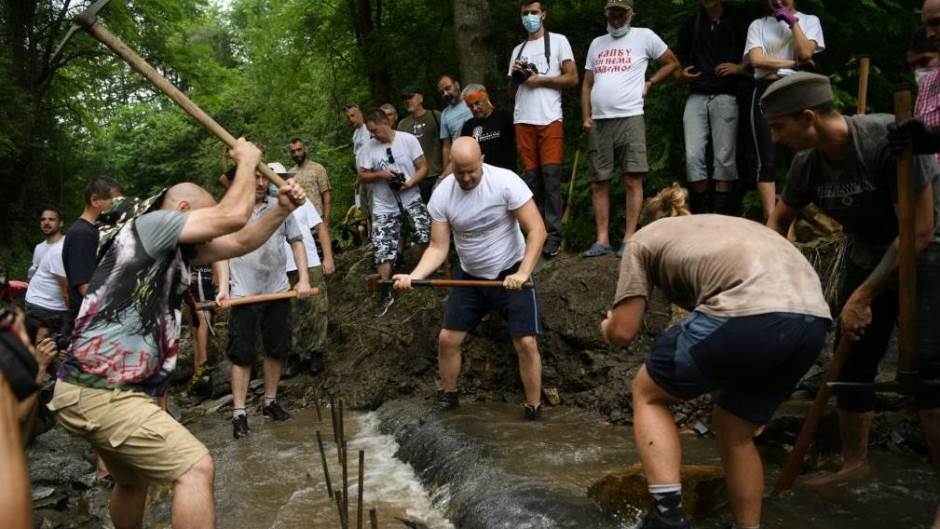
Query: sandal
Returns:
{"type": "Point", "coordinates": [597, 250]}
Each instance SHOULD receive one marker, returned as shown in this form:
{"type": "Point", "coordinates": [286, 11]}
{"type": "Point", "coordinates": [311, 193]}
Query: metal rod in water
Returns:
{"type": "Point", "coordinates": [362, 464]}
{"type": "Point", "coordinates": [316, 405]}
{"type": "Point", "coordinates": [333, 415]}
{"type": "Point", "coordinates": [373, 518]}
{"type": "Point", "coordinates": [339, 510]}
{"type": "Point", "coordinates": [326, 470]}
{"type": "Point", "coordinates": [345, 484]}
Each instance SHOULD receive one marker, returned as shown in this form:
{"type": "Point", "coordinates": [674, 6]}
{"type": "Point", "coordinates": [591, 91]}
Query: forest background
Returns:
{"type": "Point", "coordinates": [274, 69]}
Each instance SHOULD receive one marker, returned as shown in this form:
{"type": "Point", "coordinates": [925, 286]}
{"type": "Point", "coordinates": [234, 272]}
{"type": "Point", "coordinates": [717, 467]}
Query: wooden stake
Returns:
{"type": "Point", "coordinates": [373, 518]}
{"type": "Point", "coordinates": [907, 258]}
{"type": "Point", "coordinates": [864, 66]}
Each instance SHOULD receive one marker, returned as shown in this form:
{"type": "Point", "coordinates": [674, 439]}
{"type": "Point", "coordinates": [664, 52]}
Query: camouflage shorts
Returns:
{"type": "Point", "coordinates": [386, 231]}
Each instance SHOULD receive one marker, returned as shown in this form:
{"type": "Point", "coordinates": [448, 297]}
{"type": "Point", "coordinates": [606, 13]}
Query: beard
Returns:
{"type": "Point", "coordinates": [299, 159]}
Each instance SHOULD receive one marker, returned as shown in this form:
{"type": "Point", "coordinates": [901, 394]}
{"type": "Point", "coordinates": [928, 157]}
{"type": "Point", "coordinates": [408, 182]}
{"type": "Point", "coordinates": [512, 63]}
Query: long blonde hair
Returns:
{"type": "Point", "coordinates": [672, 201]}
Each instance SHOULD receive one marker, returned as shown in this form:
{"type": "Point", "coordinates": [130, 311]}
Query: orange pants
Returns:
{"type": "Point", "coordinates": [539, 146]}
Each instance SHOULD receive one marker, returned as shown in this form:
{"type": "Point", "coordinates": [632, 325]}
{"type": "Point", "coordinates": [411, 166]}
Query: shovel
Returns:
{"type": "Point", "coordinates": [249, 300]}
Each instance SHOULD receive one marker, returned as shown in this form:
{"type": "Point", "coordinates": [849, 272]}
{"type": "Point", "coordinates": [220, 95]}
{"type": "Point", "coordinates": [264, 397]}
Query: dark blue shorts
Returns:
{"type": "Point", "coordinates": [750, 365]}
{"type": "Point", "coordinates": [467, 306]}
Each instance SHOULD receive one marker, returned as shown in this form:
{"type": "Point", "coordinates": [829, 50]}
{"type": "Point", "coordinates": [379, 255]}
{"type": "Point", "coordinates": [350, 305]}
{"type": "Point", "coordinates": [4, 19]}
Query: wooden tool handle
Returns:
{"type": "Point", "coordinates": [178, 97]}
{"type": "Point", "coordinates": [907, 256]}
{"type": "Point", "coordinates": [248, 300]}
{"type": "Point", "coordinates": [457, 283]}
{"type": "Point", "coordinates": [864, 67]}
{"type": "Point", "coordinates": [813, 418]}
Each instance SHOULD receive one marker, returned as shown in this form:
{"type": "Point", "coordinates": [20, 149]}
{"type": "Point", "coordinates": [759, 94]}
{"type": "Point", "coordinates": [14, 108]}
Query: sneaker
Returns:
{"type": "Point", "coordinates": [240, 426]}
{"type": "Point", "coordinates": [533, 413]}
{"type": "Point", "coordinates": [551, 249]}
{"type": "Point", "coordinates": [654, 520]}
{"type": "Point", "coordinates": [275, 412]}
{"type": "Point", "coordinates": [447, 401]}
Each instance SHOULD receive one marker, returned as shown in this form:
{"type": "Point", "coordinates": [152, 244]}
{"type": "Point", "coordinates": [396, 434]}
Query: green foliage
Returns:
{"type": "Point", "coordinates": [274, 69]}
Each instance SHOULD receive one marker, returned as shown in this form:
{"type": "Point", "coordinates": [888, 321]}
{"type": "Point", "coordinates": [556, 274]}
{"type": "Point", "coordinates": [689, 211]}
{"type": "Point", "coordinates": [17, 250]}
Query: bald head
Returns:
{"type": "Point", "coordinates": [468, 162]}
{"type": "Point", "coordinates": [187, 196]}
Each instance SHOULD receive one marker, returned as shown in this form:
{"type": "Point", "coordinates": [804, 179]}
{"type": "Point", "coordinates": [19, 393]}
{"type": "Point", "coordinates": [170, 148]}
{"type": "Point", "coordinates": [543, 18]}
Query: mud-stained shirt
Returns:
{"type": "Point", "coordinates": [312, 177]}
{"type": "Point", "coordinates": [264, 270]}
{"type": "Point", "coordinates": [721, 266]}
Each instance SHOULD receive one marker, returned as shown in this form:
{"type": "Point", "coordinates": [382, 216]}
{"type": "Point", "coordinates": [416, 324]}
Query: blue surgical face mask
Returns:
{"type": "Point", "coordinates": [532, 23]}
{"type": "Point", "coordinates": [618, 32]}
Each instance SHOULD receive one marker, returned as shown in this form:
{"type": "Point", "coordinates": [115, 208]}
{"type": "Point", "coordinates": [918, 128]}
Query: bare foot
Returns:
{"type": "Point", "coordinates": [845, 474]}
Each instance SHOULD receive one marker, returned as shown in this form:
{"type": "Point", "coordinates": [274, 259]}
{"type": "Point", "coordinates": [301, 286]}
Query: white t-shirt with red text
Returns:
{"type": "Point", "coordinates": [619, 67]}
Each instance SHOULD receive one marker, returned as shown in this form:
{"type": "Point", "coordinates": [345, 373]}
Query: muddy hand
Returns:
{"type": "Point", "coordinates": [855, 318]}
{"type": "Point", "coordinates": [516, 281]}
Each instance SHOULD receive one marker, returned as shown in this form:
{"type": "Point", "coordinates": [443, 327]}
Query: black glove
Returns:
{"type": "Point", "coordinates": [913, 133]}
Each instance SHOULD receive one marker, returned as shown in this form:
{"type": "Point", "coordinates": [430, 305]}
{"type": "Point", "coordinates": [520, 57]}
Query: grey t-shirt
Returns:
{"type": "Point", "coordinates": [860, 191]}
{"type": "Point", "coordinates": [263, 270]}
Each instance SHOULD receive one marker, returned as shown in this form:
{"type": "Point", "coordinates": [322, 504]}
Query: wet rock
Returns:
{"type": "Point", "coordinates": [221, 379]}
{"type": "Point", "coordinates": [622, 493]}
{"type": "Point", "coordinates": [51, 519]}
{"type": "Point", "coordinates": [60, 460]}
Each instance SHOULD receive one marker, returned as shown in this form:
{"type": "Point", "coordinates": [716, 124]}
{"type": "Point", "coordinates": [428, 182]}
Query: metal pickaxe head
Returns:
{"type": "Point", "coordinates": [83, 21]}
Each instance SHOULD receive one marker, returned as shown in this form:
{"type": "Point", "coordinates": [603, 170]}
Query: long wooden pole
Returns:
{"type": "Point", "coordinates": [864, 67]}
{"type": "Point", "coordinates": [455, 283]}
{"type": "Point", "coordinates": [907, 258]}
{"type": "Point", "coordinates": [161, 83]}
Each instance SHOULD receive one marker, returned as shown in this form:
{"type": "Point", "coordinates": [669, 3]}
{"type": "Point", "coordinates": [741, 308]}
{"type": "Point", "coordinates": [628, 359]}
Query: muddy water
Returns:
{"type": "Point", "coordinates": [274, 478]}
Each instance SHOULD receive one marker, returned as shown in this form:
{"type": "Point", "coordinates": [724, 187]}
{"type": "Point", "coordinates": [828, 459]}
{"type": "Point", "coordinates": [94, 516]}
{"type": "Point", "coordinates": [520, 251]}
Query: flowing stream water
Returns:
{"type": "Point", "coordinates": [274, 478]}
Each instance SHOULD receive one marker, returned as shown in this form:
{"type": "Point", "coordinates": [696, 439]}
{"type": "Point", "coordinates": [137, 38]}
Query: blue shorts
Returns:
{"type": "Point", "coordinates": [467, 306]}
{"type": "Point", "coordinates": [750, 365]}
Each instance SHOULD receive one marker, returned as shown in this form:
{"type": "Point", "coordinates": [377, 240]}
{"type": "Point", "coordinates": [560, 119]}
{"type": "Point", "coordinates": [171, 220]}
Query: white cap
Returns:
{"type": "Point", "coordinates": [279, 169]}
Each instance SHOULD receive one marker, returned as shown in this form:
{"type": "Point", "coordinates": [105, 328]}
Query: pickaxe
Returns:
{"type": "Point", "coordinates": [87, 20]}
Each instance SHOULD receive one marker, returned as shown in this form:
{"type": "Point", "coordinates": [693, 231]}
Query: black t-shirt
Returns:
{"type": "Point", "coordinates": [859, 191]}
{"type": "Point", "coordinates": [705, 45]}
{"type": "Point", "coordinates": [80, 257]}
{"type": "Point", "coordinates": [497, 138]}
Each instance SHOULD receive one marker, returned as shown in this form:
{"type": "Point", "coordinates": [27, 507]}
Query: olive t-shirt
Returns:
{"type": "Point", "coordinates": [860, 190]}
{"type": "Point", "coordinates": [721, 266]}
{"type": "Point", "coordinates": [427, 129]}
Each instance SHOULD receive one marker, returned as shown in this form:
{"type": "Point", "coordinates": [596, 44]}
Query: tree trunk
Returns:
{"type": "Point", "coordinates": [368, 35]}
{"type": "Point", "coordinates": [471, 24]}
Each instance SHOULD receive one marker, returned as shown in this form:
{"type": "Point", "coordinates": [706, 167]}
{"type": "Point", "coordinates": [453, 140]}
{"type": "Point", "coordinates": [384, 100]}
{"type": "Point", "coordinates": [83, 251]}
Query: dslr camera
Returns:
{"type": "Point", "coordinates": [398, 181]}
{"type": "Point", "coordinates": [522, 74]}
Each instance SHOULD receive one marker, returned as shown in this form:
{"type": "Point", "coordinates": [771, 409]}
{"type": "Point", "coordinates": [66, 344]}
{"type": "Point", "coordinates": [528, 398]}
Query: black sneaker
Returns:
{"type": "Point", "coordinates": [384, 304]}
{"type": "Point", "coordinates": [533, 413]}
{"type": "Point", "coordinates": [447, 401]}
{"type": "Point", "coordinates": [275, 412]}
{"type": "Point", "coordinates": [240, 426]}
{"type": "Point", "coordinates": [551, 249]}
{"type": "Point", "coordinates": [655, 520]}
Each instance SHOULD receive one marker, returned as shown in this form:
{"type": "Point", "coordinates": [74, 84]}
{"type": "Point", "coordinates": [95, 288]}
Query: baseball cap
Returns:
{"type": "Point", "coordinates": [623, 4]}
{"type": "Point", "coordinates": [279, 169]}
{"type": "Point", "coordinates": [411, 90]}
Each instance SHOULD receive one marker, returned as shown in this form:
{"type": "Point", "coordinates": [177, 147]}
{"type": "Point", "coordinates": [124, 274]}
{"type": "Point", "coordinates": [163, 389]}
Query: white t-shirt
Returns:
{"type": "Point", "coordinates": [39, 252]}
{"type": "Point", "coordinates": [44, 290]}
{"type": "Point", "coordinates": [776, 39]}
{"type": "Point", "coordinates": [540, 105]}
{"type": "Point", "coordinates": [307, 219]}
{"type": "Point", "coordinates": [619, 67]}
{"type": "Point", "coordinates": [360, 138]}
{"type": "Point", "coordinates": [374, 157]}
{"type": "Point", "coordinates": [486, 232]}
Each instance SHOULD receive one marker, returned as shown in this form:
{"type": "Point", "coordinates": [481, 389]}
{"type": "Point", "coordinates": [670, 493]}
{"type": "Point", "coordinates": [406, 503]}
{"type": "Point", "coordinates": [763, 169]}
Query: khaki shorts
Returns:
{"type": "Point", "coordinates": [134, 437]}
{"type": "Point", "coordinates": [619, 142]}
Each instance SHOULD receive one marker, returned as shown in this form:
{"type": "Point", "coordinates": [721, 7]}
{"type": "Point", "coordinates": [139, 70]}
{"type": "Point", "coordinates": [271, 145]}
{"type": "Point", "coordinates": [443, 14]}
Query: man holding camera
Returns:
{"type": "Point", "coordinates": [612, 97]}
{"type": "Point", "coordinates": [394, 164]}
{"type": "Point", "coordinates": [540, 68]}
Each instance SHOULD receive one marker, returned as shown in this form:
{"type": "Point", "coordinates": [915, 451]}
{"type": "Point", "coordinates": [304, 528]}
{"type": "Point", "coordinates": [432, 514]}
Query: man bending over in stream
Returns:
{"type": "Point", "coordinates": [484, 206]}
{"type": "Point", "coordinates": [126, 339]}
{"type": "Point", "coordinates": [742, 283]}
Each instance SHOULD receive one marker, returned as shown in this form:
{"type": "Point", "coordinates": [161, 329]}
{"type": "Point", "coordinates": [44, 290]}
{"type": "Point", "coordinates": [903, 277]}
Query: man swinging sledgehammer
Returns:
{"type": "Point", "coordinates": [484, 206]}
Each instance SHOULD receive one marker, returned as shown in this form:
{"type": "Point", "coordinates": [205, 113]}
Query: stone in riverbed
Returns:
{"type": "Point", "coordinates": [703, 490]}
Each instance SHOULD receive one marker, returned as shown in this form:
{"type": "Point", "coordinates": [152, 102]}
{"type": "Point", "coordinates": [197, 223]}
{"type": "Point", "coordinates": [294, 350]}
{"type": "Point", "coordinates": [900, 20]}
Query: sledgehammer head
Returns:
{"type": "Point", "coordinates": [85, 20]}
